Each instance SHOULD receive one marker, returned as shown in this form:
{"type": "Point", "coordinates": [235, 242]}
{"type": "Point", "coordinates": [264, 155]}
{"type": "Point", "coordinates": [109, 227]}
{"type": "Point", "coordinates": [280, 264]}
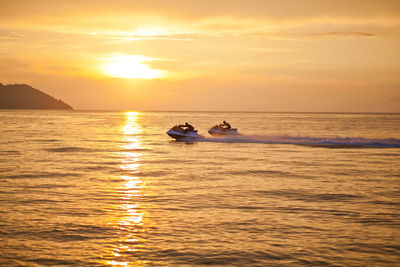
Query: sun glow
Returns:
{"type": "Point", "coordinates": [130, 67]}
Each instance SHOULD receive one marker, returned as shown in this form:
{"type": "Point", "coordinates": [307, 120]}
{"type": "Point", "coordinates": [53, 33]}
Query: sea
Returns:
{"type": "Point", "coordinates": [104, 188]}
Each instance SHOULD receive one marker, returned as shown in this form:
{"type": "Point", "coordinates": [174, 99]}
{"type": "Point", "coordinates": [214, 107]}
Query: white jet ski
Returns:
{"type": "Point", "coordinates": [221, 131]}
{"type": "Point", "coordinates": [178, 133]}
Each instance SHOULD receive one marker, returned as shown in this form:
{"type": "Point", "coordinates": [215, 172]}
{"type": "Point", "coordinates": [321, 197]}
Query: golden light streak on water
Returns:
{"type": "Point", "coordinates": [129, 211]}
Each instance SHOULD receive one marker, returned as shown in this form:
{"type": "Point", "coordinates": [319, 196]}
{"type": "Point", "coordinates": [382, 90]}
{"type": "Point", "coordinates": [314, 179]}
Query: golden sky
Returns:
{"type": "Point", "coordinates": [253, 55]}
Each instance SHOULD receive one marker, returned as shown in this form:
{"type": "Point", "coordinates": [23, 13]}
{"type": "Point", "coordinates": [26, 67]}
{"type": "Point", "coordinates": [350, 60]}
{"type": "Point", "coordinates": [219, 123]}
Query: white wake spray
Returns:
{"type": "Point", "coordinates": [309, 141]}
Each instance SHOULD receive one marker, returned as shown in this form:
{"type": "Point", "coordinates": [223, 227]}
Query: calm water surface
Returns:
{"type": "Point", "coordinates": [112, 189]}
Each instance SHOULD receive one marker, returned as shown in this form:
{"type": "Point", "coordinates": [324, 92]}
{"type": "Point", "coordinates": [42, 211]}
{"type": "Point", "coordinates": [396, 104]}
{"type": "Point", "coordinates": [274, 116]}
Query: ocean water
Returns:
{"type": "Point", "coordinates": [80, 188]}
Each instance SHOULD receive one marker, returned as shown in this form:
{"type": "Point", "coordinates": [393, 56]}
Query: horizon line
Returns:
{"type": "Point", "coordinates": [217, 111]}
{"type": "Point", "coordinates": [241, 111]}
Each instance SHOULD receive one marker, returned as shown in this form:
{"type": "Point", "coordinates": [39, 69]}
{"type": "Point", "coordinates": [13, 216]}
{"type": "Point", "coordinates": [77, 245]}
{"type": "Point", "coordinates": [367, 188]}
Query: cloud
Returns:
{"type": "Point", "coordinates": [192, 17]}
{"type": "Point", "coordinates": [350, 34]}
{"type": "Point", "coordinates": [11, 65]}
{"type": "Point", "coordinates": [6, 35]}
{"type": "Point", "coordinates": [143, 37]}
{"type": "Point", "coordinates": [197, 10]}
{"type": "Point", "coordinates": [333, 30]}
{"type": "Point", "coordinates": [321, 35]}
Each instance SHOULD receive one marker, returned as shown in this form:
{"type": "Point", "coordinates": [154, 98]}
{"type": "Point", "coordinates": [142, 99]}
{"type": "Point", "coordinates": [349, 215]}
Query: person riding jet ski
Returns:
{"type": "Point", "coordinates": [223, 129]}
{"type": "Point", "coordinates": [186, 127]}
{"type": "Point", "coordinates": [225, 125]}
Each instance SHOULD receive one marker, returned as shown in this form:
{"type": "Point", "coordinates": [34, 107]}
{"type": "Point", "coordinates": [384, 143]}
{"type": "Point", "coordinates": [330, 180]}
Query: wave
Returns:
{"type": "Point", "coordinates": [46, 140]}
{"type": "Point", "coordinates": [69, 149]}
{"type": "Point", "coordinates": [328, 142]}
{"type": "Point", "coordinates": [42, 175]}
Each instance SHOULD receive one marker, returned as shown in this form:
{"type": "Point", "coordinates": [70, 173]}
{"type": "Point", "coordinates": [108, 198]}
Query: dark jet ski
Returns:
{"type": "Point", "coordinates": [218, 130]}
{"type": "Point", "coordinates": [179, 133]}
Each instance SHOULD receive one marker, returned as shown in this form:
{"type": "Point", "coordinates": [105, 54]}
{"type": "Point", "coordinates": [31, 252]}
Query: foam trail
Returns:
{"type": "Point", "coordinates": [332, 142]}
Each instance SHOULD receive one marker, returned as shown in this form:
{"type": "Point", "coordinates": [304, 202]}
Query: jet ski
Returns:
{"type": "Point", "coordinates": [179, 133]}
{"type": "Point", "coordinates": [218, 130]}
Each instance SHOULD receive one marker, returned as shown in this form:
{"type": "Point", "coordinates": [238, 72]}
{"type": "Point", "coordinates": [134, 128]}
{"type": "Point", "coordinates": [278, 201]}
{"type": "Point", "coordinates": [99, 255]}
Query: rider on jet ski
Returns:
{"type": "Point", "coordinates": [189, 128]}
{"type": "Point", "coordinates": [225, 125]}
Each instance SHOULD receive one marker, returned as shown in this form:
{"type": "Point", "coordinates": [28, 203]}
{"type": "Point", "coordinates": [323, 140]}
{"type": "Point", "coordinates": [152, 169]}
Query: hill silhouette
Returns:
{"type": "Point", "coordinates": [23, 96]}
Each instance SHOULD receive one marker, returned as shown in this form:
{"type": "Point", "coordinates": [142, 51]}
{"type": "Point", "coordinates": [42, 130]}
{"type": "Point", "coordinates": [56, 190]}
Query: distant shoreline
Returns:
{"type": "Point", "coordinates": [23, 96]}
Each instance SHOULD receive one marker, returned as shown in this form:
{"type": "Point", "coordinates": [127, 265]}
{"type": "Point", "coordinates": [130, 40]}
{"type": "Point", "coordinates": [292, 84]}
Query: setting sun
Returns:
{"type": "Point", "coordinates": [130, 67]}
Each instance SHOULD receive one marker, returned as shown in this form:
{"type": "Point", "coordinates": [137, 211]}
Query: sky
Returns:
{"type": "Point", "coordinates": [209, 55]}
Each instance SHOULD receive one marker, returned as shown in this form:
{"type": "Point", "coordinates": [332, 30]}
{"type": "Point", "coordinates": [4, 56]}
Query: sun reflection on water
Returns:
{"type": "Point", "coordinates": [130, 216]}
